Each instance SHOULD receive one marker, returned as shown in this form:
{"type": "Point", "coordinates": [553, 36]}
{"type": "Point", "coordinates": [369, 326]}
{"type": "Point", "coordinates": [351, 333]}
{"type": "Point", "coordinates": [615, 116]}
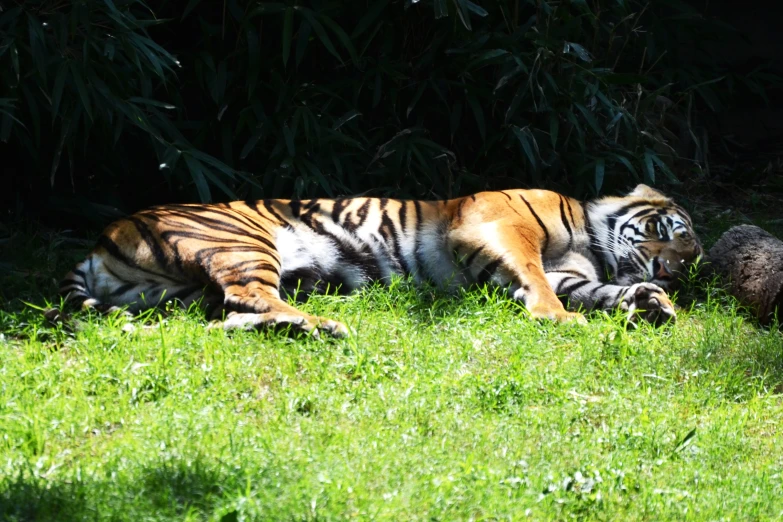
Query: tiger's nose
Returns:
{"type": "Point", "coordinates": [661, 270]}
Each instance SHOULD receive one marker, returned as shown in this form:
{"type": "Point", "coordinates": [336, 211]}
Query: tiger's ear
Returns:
{"type": "Point", "coordinates": [643, 191]}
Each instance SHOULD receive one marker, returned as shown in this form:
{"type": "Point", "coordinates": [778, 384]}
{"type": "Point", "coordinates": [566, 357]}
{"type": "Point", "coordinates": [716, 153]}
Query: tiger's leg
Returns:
{"type": "Point", "coordinates": [250, 280]}
{"type": "Point", "coordinates": [501, 257]}
{"type": "Point", "coordinates": [575, 278]}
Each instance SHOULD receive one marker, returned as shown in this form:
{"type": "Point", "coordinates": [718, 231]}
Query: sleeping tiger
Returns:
{"type": "Point", "coordinates": [244, 258]}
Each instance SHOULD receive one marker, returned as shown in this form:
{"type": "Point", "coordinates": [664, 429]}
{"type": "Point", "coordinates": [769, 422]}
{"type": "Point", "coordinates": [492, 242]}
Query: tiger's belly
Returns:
{"type": "Point", "coordinates": [334, 259]}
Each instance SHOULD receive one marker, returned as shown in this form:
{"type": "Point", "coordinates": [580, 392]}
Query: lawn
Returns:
{"type": "Point", "coordinates": [440, 408]}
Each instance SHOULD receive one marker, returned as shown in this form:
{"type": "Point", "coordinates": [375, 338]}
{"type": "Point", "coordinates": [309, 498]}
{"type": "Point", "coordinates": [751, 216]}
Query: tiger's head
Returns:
{"type": "Point", "coordinates": [643, 237]}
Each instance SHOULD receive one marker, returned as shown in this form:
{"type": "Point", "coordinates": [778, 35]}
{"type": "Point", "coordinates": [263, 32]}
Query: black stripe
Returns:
{"type": "Point", "coordinates": [204, 256]}
{"type": "Point", "coordinates": [338, 207]}
{"type": "Point", "coordinates": [114, 250]}
{"type": "Point", "coordinates": [312, 209]}
{"type": "Point", "coordinates": [152, 243]}
{"type": "Point", "coordinates": [122, 289]}
{"type": "Point", "coordinates": [363, 258]}
{"type": "Point", "coordinates": [540, 223]}
{"type": "Point", "coordinates": [569, 271]}
{"type": "Point", "coordinates": [229, 219]}
{"type": "Point", "coordinates": [252, 264]}
{"type": "Point", "coordinates": [217, 224]}
{"type": "Point", "coordinates": [574, 287]}
{"type": "Point", "coordinates": [622, 211]}
{"type": "Point", "coordinates": [253, 205]}
{"type": "Point", "coordinates": [472, 256]}
{"type": "Point", "coordinates": [388, 231]}
{"type": "Point", "coordinates": [416, 254]}
{"type": "Point", "coordinates": [362, 213]}
{"type": "Point", "coordinates": [69, 281]}
{"type": "Point", "coordinates": [600, 253]}
{"type": "Point", "coordinates": [246, 280]}
{"type": "Point", "coordinates": [459, 207]}
{"type": "Point", "coordinates": [570, 212]}
{"type": "Point", "coordinates": [295, 206]}
{"type": "Point", "coordinates": [601, 303]}
{"type": "Point", "coordinates": [565, 222]}
{"type": "Point", "coordinates": [504, 193]}
{"type": "Point", "coordinates": [268, 207]}
{"type": "Point", "coordinates": [559, 289]}
{"type": "Point", "coordinates": [487, 272]}
{"type": "Point", "coordinates": [403, 217]}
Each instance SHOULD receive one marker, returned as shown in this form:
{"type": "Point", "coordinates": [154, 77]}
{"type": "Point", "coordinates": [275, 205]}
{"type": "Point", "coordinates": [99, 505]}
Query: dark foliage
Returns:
{"type": "Point", "coordinates": [116, 104]}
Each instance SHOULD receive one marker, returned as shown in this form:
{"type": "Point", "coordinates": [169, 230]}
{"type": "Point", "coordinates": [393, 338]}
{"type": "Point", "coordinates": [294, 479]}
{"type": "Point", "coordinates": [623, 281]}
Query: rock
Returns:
{"type": "Point", "coordinates": [752, 261]}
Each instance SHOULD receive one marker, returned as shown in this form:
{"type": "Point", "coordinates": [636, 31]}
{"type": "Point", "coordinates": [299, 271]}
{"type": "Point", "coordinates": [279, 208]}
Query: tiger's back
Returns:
{"type": "Point", "coordinates": [246, 257]}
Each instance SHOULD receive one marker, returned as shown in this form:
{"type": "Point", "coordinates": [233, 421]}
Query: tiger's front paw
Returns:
{"type": "Point", "coordinates": [648, 302]}
{"type": "Point", "coordinates": [560, 316]}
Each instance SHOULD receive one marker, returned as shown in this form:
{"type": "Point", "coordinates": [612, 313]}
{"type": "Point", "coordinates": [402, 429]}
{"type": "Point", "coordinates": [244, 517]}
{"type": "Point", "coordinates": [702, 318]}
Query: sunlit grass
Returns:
{"type": "Point", "coordinates": [440, 408]}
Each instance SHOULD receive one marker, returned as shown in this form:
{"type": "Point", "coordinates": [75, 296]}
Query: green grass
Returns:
{"type": "Point", "coordinates": [440, 408]}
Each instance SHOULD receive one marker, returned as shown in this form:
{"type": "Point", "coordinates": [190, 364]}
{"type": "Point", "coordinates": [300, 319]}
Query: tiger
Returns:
{"type": "Point", "coordinates": [244, 260]}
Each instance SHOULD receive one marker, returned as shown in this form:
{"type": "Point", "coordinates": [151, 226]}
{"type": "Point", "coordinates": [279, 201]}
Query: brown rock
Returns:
{"type": "Point", "coordinates": [752, 261]}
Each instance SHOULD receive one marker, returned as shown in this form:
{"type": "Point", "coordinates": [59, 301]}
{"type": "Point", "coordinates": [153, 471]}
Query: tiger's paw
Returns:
{"type": "Point", "coordinates": [333, 328]}
{"type": "Point", "coordinates": [560, 316]}
{"type": "Point", "coordinates": [281, 321]}
{"type": "Point", "coordinates": [648, 302]}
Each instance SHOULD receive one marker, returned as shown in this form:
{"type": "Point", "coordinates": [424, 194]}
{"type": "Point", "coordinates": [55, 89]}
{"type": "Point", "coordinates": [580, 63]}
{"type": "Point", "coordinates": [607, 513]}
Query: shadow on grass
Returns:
{"type": "Point", "coordinates": [172, 490]}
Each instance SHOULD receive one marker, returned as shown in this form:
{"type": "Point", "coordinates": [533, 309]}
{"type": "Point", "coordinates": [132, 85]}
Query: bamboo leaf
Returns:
{"type": "Point", "coordinates": [342, 36]}
{"type": "Point", "coordinates": [345, 118]}
{"type": "Point", "coordinates": [649, 168]}
{"type": "Point", "coordinates": [215, 180]}
{"type": "Point", "coordinates": [590, 118]}
{"type": "Point", "coordinates": [486, 57]}
{"type": "Point", "coordinates": [478, 114]}
{"type": "Point", "coordinates": [577, 50]}
{"type": "Point", "coordinates": [463, 14]}
{"type": "Point", "coordinates": [372, 14]}
{"type": "Point", "coordinates": [627, 163]}
{"type": "Point", "coordinates": [252, 142]}
{"type": "Point", "coordinates": [268, 8]}
{"type": "Point", "coordinates": [197, 175]}
{"type": "Point", "coordinates": [509, 76]}
{"type": "Point", "coordinates": [81, 89]}
{"type": "Point", "coordinates": [475, 9]}
{"type": "Point", "coordinates": [415, 99]}
{"type": "Point", "coordinates": [664, 167]}
{"type": "Point", "coordinates": [192, 4]}
{"type": "Point", "coordinates": [524, 140]}
{"type": "Point", "coordinates": [153, 103]}
{"type": "Point", "coordinates": [59, 86]}
{"type": "Point", "coordinates": [253, 60]}
{"type": "Point", "coordinates": [288, 24]}
{"type": "Point", "coordinates": [600, 167]}
{"type": "Point", "coordinates": [289, 140]}
{"type": "Point", "coordinates": [319, 31]}
{"type": "Point", "coordinates": [302, 39]}
{"type": "Point", "coordinates": [314, 171]}
{"type": "Point", "coordinates": [441, 9]}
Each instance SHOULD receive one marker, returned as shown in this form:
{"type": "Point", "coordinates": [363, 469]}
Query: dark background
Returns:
{"type": "Point", "coordinates": [429, 99]}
